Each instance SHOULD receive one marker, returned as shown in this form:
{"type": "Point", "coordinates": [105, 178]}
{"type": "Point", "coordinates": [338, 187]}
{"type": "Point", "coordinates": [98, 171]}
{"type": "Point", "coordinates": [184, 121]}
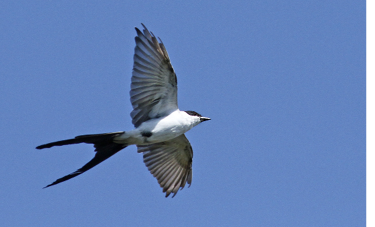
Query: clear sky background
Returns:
{"type": "Point", "coordinates": [283, 81]}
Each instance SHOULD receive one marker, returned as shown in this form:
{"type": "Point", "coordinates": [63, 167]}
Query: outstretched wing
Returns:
{"type": "Point", "coordinates": [170, 162]}
{"type": "Point", "coordinates": [154, 83]}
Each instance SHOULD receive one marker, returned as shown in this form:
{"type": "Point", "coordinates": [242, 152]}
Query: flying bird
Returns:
{"type": "Point", "coordinates": [159, 124]}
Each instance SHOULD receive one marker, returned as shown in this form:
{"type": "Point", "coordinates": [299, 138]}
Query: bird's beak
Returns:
{"type": "Point", "coordinates": [205, 119]}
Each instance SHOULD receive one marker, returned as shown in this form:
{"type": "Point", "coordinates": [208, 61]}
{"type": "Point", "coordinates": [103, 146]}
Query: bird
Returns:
{"type": "Point", "coordinates": [159, 125]}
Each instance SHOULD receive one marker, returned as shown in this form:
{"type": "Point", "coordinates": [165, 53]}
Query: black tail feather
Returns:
{"type": "Point", "coordinates": [104, 147]}
{"type": "Point", "coordinates": [91, 138]}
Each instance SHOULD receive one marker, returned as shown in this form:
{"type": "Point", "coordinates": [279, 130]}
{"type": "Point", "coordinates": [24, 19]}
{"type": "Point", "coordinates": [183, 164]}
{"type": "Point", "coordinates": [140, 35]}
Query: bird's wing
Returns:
{"type": "Point", "coordinates": [170, 162]}
{"type": "Point", "coordinates": [154, 83]}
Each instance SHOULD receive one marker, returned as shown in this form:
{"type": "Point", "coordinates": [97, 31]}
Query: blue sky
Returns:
{"type": "Point", "coordinates": [283, 81]}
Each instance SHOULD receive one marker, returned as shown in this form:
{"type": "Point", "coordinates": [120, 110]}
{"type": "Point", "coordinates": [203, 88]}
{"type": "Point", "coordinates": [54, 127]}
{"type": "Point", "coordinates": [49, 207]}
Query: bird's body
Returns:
{"type": "Point", "coordinates": [159, 129]}
{"type": "Point", "coordinates": [159, 124]}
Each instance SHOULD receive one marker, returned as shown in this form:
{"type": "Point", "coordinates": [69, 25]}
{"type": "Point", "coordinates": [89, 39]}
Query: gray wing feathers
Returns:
{"type": "Point", "coordinates": [154, 82]}
{"type": "Point", "coordinates": [170, 163]}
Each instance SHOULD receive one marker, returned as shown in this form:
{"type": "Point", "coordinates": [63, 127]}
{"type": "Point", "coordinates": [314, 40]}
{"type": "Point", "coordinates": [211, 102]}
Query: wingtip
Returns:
{"type": "Point", "coordinates": [167, 194]}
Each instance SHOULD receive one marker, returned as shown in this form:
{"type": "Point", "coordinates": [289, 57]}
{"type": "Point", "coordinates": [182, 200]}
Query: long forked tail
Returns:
{"type": "Point", "coordinates": [104, 147]}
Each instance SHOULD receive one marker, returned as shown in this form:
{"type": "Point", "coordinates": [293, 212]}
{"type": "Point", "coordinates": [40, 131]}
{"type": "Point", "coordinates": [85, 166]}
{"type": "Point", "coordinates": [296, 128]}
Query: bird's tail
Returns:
{"type": "Point", "coordinates": [104, 147]}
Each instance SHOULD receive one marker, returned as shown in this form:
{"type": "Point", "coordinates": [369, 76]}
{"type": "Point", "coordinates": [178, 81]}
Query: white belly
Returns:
{"type": "Point", "coordinates": [159, 130]}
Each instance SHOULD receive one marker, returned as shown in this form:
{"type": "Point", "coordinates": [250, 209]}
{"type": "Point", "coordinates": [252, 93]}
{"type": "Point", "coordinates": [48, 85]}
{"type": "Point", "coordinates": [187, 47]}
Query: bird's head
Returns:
{"type": "Point", "coordinates": [198, 116]}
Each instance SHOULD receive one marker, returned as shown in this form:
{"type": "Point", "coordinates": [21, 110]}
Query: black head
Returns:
{"type": "Point", "coordinates": [193, 113]}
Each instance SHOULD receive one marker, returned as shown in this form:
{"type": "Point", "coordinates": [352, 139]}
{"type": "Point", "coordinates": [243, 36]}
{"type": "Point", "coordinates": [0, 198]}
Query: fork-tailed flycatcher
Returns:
{"type": "Point", "coordinates": [159, 124]}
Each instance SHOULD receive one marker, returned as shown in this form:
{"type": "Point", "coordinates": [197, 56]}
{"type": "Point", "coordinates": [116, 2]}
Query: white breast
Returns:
{"type": "Point", "coordinates": [169, 127]}
{"type": "Point", "coordinates": [162, 129]}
